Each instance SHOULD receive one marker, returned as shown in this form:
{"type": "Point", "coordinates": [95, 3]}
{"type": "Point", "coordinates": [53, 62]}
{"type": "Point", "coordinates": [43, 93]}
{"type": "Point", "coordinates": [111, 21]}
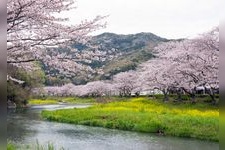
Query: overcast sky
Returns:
{"type": "Point", "coordinates": [166, 18]}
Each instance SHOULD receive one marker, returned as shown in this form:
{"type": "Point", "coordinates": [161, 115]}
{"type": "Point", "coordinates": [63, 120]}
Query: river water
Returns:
{"type": "Point", "coordinates": [26, 126]}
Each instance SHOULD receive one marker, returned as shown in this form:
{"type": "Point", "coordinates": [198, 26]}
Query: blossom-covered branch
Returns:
{"type": "Point", "coordinates": [34, 32]}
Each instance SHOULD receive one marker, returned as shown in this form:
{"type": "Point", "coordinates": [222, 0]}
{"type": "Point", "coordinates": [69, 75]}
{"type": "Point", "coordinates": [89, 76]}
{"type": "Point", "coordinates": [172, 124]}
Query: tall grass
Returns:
{"type": "Point", "coordinates": [143, 115]}
{"type": "Point", "coordinates": [36, 146]}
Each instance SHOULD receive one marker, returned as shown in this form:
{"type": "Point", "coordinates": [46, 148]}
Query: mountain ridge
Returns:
{"type": "Point", "coordinates": [121, 52]}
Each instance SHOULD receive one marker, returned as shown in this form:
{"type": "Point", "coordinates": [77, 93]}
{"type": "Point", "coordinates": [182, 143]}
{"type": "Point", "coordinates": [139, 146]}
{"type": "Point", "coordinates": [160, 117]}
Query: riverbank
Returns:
{"type": "Point", "coordinates": [35, 146]}
{"type": "Point", "coordinates": [199, 120]}
{"type": "Point", "coordinates": [57, 100]}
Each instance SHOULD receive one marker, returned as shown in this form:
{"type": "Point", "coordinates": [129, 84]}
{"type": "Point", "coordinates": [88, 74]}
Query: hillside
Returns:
{"type": "Point", "coordinates": [125, 43]}
{"type": "Point", "coordinates": [119, 53]}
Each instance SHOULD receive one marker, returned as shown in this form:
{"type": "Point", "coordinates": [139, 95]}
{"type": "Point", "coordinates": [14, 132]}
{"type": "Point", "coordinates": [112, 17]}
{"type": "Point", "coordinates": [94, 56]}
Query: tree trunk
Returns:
{"type": "Point", "coordinates": [212, 96]}
{"type": "Point", "coordinates": [179, 94]}
{"type": "Point", "coordinates": [165, 93]}
{"type": "Point", "coordinates": [137, 93]}
{"type": "Point", "coordinates": [213, 99]}
{"type": "Point", "coordinates": [193, 100]}
{"type": "Point", "coordinates": [192, 95]}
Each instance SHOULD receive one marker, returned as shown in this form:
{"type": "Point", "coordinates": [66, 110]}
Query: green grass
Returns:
{"type": "Point", "coordinates": [11, 146]}
{"type": "Point", "coordinates": [42, 102]}
{"type": "Point", "coordinates": [56, 100]}
{"type": "Point", "coordinates": [77, 100]}
{"type": "Point", "coordinates": [35, 146]}
{"type": "Point", "coordinates": [199, 121]}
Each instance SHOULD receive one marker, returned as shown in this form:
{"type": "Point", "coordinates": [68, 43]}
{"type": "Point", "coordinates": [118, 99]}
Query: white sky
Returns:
{"type": "Point", "coordinates": [166, 18]}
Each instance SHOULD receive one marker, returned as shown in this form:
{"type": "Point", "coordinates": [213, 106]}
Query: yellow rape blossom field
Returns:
{"type": "Point", "coordinates": [142, 114]}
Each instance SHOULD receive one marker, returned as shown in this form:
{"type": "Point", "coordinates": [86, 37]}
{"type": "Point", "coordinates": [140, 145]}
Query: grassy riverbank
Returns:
{"type": "Point", "coordinates": [42, 102]}
{"type": "Point", "coordinates": [56, 100]}
{"type": "Point", "coordinates": [199, 121]}
{"type": "Point", "coordinates": [35, 146]}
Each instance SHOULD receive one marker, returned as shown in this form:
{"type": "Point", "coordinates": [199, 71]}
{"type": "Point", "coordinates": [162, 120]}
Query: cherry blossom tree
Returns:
{"type": "Point", "coordinates": [196, 61]}
{"type": "Point", "coordinates": [34, 32]}
{"type": "Point", "coordinates": [101, 90]}
{"type": "Point", "coordinates": [96, 88]}
{"type": "Point", "coordinates": [53, 91]}
{"type": "Point", "coordinates": [67, 89]}
{"type": "Point", "coordinates": [208, 46]}
{"type": "Point", "coordinates": [125, 82]}
{"type": "Point", "coordinates": [159, 74]}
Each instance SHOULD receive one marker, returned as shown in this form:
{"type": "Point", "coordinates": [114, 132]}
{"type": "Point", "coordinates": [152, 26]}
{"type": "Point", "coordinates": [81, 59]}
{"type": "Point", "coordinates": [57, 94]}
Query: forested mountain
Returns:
{"type": "Point", "coordinates": [117, 53]}
{"type": "Point", "coordinates": [125, 43]}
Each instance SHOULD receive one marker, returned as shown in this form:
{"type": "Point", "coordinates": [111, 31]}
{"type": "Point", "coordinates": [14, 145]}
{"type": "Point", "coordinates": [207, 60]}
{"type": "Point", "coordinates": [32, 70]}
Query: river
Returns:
{"type": "Point", "coordinates": [25, 126]}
